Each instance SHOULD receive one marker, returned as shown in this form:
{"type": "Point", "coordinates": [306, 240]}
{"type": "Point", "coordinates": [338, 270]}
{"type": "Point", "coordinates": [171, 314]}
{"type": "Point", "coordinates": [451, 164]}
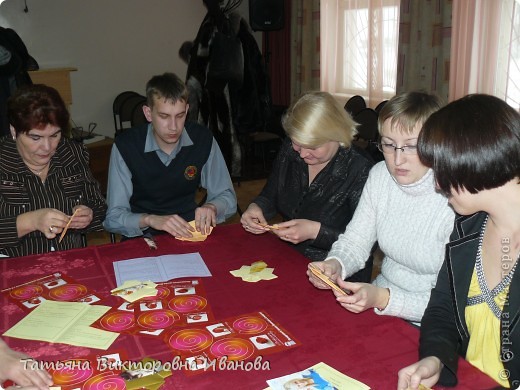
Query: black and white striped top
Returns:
{"type": "Point", "coordinates": [69, 183]}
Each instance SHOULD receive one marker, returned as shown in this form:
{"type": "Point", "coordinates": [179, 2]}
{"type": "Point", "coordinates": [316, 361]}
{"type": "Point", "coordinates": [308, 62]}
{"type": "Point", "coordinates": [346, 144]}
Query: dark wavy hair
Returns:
{"type": "Point", "coordinates": [35, 107]}
{"type": "Point", "coordinates": [472, 143]}
{"type": "Point", "coordinates": [168, 86]}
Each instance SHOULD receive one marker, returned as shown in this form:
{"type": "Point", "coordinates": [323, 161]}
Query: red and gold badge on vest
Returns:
{"type": "Point", "coordinates": [190, 172]}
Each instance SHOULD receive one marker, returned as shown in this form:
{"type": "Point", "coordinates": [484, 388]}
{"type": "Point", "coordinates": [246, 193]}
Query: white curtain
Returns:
{"type": "Point", "coordinates": [359, 48]}
{"type": "Point", "coordinates": [485, 51]}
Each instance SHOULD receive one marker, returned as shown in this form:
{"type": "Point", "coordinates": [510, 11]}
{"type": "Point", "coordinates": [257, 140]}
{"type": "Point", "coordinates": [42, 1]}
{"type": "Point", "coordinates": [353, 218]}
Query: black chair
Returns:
{"type": "Point", "coordinates": [126, 110]}
{"type": "Point", "coordinates": [368, 134]}
{"type": "Point", "coordinates": [138, 117]}
{"type": "Point", "coordinates": [116, 107]}
{"type": "Point", "coordinates": [380, 106]}
{"type": "Point", "coordinates": [367, 129]}
{"type": "Point", "coordinates": [355, 104]}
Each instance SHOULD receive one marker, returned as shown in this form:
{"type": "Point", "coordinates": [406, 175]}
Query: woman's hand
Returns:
{"type": "Point", "coordinates": [253, 220]}
{"type": "Point", "coordinates": [48, 221]}
{"type": "Point", "coordinates": [363, 296]}
{"type": "Point", "coordinates": [298, 230]}
{"type": "Point", "coordinates": [82, 217]}
{"type": "Point", "coordinates": [330, 268]}
{"type": "Point", "coordinates": [425, 371]}
{"type": "Point", "coordinates": [12, 367]}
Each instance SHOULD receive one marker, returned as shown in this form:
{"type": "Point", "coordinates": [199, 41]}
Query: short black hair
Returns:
{"type": "Point", "coordinates": [472, 143]}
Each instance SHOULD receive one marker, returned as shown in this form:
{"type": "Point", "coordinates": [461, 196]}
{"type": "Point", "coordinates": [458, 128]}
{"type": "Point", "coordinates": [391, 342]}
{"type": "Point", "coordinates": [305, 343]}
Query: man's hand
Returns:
{"type": "Point", "coordinates": [205, 217]}
{"type": "Point", "coordinates": [173, 224]}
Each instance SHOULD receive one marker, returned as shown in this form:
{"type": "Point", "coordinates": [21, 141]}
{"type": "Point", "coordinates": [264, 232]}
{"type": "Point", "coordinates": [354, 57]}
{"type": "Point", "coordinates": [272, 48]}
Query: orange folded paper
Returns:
{"type": "Point", "coordinates": [197, 236]}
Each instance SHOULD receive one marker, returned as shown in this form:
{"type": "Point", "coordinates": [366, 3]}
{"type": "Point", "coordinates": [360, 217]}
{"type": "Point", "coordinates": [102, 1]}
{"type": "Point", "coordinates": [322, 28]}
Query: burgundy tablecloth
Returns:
{"type": "Point", "coordinates": [365, 346]}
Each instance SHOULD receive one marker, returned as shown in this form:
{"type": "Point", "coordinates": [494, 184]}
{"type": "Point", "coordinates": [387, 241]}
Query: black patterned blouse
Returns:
{"type": "Point", "coordinates": [330, 199]}
{"type": "Point", "coordinates": [69, 182]}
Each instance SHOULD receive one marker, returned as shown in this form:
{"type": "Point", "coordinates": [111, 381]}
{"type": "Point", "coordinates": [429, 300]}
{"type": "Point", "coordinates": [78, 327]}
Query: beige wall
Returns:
{"type": "Point", "coordinates": [116, 45]}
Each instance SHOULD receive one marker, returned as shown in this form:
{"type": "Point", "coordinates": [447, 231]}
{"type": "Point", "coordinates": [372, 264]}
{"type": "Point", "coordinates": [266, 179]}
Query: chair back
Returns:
{"type": "Point", "coordinates": [354, 105]}
{"type": "Point", "coordinates": [126, 110]}
{"type": "Point", "coordinates": [380, 106]}
{"type": "Point", "coordinates": [138, 117]}
{"type": "Point", "coordinates": [116, 106]}
{"type": "Point", "coordinates": [367, 129]}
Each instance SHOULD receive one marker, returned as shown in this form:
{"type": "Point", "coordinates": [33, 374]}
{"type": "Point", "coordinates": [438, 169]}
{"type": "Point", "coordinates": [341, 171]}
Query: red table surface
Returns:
{"type": "Point", "coordinates": [365, 346]}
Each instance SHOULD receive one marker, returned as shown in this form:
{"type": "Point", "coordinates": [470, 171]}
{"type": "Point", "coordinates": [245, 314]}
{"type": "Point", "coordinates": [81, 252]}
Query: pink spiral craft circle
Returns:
{"type": "Point", "coordinates": [105, 381]}
{"type": "Point", "coordinates": [157, 319]}
{"type": "Point", "coordinates": [117, 321]}
{"type": "Point", "coordinates": [68, 292]}
{"type": "Point", "coordinates": [193, 340]}
{"type": "Point", "coordinates": [187, 303]}
{"type": "Point", "coordinates": [232, 349]}
{"type": "Point", "coordinates": [71, 375]}
{"type": "Point", "coordinates": [250, 324]}
{"type": "Point", "coordinates": [26, 292]}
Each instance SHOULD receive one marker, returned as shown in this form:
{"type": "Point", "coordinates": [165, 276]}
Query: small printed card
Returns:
{"type": "Point", "coordinates": [55, 287]}
{"type": "Point", "coordinates": [320, 376]}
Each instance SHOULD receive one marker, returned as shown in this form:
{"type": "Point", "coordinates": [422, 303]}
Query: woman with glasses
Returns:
{"type": "Point", "coordinates": [473, 146]}
{"type": "Point", "coordinates": [400, 209]}
{"type": "Point", "coordinates": [316, 181]}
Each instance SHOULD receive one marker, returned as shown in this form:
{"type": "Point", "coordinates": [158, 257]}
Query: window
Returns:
{"type": "Point", "coordinates": [508, 70]}
{"type": "Point", "coordinates": [359, 41]}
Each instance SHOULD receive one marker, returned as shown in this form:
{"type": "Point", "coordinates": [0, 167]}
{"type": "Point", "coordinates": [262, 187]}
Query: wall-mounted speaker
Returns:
{"type": "Point", "coordinates": [266, 15]}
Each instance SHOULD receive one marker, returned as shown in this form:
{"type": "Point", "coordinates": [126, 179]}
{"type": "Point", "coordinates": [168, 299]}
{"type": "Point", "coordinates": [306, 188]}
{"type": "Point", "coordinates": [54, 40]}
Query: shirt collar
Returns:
{"type": "Point", "coordinates": [152, 146]}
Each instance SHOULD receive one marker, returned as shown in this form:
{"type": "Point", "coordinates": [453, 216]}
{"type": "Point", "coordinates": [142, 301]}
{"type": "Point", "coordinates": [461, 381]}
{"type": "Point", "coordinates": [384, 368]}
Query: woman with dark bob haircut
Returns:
{"type": "Point", "coordinates": [473, 146]}
{"type": "Point", "coordinates": [44, 178]}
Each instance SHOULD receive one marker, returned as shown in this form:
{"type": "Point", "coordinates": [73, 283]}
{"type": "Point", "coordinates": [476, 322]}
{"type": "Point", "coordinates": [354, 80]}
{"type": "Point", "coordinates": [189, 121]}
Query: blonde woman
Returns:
{"type": "Point", "coordinates": [316, 180]}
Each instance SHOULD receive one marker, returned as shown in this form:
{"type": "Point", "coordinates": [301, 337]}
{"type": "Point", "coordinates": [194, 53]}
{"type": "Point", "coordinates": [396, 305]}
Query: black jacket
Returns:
{"type": "Point", "coordinates": [444, 332]}
{"type": "Point", "coordinates": [331, 198]}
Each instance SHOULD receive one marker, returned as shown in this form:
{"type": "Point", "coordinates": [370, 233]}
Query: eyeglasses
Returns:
{"type": "Point", "coordinates": [391, 148]}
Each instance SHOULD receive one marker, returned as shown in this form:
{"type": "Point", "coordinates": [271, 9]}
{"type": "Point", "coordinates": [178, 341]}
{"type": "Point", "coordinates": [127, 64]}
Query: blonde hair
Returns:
{"type": "Point", "coordinates": [316, 118]}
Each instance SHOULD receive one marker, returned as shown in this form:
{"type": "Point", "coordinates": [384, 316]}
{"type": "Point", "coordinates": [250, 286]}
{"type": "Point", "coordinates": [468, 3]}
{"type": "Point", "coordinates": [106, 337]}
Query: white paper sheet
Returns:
{"type": "Point", "coordinates": [161, 268]}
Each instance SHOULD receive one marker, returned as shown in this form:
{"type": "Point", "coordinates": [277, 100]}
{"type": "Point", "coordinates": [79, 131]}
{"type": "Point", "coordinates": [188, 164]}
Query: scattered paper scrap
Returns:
{"type": "Point", "coordinates": [132, 290]}
{"type": "Point", "coordinates": [196, 235]}
{"type": "Point", "coordinates": [254, 272]}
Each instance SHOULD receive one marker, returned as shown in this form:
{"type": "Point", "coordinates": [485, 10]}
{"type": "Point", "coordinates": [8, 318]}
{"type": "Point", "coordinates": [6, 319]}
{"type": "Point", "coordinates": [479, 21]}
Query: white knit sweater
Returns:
{"type": "Point", "coordinates": [412, 224]}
